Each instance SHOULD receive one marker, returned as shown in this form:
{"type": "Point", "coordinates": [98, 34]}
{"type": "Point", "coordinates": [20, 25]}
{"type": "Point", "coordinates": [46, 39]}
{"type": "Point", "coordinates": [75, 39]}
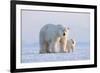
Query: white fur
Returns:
{"type": "Point", "coordinates": [70, 45]}
{"type": "Point", "coordinates": [50, 35]}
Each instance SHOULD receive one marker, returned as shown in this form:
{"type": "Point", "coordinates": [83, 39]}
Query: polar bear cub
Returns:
{"type": "Point", "coordinates": [70, 45]}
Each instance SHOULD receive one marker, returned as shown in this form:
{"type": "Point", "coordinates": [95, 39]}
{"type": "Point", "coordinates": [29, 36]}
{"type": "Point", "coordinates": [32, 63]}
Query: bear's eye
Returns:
{"type": "Point", "coordinates": [64, 34]}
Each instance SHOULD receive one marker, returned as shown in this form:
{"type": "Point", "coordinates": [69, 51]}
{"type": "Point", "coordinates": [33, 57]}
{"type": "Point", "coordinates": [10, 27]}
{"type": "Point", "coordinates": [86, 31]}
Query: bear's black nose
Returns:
{"type": "Point", "coordinates": [63, 34]}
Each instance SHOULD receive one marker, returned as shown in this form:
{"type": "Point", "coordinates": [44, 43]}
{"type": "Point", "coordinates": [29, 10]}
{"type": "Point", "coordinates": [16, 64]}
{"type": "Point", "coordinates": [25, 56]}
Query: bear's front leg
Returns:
{"type": "Point", "coordinates": [63, 44]}
{"type": "Point", "coordinates": [52, 47]}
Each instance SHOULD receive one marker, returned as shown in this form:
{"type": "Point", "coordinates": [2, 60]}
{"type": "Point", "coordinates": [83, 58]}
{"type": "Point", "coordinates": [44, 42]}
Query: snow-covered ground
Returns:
{"type": "Point", "coordinates": [31, 54]}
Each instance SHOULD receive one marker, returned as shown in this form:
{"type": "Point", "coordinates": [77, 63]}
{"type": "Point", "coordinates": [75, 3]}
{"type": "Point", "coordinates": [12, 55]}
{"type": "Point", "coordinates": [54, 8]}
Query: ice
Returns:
{"type": "Point", "coordinates": [31, 54]}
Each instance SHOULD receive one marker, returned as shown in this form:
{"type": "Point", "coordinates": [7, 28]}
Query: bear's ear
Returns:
{"type": "Point", "coordinates": [67, 29]}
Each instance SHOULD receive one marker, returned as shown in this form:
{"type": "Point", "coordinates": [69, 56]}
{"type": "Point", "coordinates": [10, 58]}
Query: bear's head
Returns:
{"type": "Point", "coordinates": [62, 31]}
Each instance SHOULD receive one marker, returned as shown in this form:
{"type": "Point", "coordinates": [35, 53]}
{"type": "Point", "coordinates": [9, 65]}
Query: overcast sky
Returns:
{"type": "Point", "coordinates": [33, 21]}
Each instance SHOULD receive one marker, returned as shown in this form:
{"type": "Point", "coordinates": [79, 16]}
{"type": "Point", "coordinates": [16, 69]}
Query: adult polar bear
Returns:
{"type": "Point", "coordinates": [53, 36]}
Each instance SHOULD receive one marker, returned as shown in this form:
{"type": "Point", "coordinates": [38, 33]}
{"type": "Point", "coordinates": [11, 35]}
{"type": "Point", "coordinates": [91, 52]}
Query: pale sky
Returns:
{"type": "Point", "coordinates": [33, 21]}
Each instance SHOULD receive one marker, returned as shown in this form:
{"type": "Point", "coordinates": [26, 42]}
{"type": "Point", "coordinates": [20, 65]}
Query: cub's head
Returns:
{"type": "Point", "coordinates": [73, 43]}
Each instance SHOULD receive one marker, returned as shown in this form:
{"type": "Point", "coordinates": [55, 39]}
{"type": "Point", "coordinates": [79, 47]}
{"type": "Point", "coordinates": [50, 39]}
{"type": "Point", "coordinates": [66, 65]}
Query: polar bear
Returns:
{"type": "Point", "coordinates": [70, 45]}
{"type": "Point", "coordinates": [50, 35]}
